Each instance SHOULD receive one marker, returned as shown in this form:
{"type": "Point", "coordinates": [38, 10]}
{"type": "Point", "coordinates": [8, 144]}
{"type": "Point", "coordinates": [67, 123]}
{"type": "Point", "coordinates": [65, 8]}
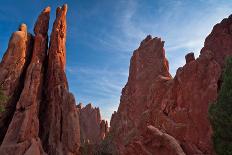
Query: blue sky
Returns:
{"type": "Point", "coordinates": [102, 35]}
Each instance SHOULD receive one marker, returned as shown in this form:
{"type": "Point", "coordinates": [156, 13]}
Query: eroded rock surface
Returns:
{"type": "Point", "coordinates": [93, 128]}
{"type": "Point", "coordinates": [154, 142]}
{"type": "Point", "coordinates": [22, 136]}
{"type": "Point", "coordinates": [175, 106]}
{"type": "Point", "coordinates": [41, 112]}
{"type": "Point", "coordinates": [60, 123]}
{"type": "Point", "coordinates": [13, 68]}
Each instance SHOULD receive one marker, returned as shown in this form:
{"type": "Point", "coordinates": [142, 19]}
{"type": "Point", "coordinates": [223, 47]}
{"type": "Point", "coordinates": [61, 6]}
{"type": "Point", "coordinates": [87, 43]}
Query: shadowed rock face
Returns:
{"type": "Point", "coordinates": [93, 128]}
{"type": "Point", "coordinates": [42, 118]}
{"type": "Point", "coordinates": [154, 141]}
{"type": "Point", "coordinates": [175, 106]}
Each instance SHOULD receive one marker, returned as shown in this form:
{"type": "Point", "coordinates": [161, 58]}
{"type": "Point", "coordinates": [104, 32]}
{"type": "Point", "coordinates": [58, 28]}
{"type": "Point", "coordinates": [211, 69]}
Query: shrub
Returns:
{"type": "Point", "coordinates": [107, 146]}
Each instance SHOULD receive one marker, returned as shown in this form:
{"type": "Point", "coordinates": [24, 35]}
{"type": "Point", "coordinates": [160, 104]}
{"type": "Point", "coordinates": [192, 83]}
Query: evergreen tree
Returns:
{"type": "Point", "coordinates": [220, 114]}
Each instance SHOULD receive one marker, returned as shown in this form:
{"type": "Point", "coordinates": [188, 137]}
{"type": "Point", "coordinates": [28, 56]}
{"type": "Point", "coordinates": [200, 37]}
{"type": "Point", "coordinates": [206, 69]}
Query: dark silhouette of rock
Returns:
{"type": "Point", "coordinates": [189, 57]}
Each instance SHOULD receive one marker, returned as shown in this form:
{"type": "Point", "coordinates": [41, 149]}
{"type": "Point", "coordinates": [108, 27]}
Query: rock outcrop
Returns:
{"type": "Point", "coordinates": [158, 114]}
{"type": "Point", "coordinates": [93, 128]}
{"type": "Point", "coordinates": [155, 142]}
{"type": "Point", "coordinates": [176, 107]}
{"type": "Point", "coordinates": [60, 123]}
{"type": "Point", "coordinates": [22, 136]}
{"type": "Point", "coordinates": [13, 68]}
{"type": "Point", "coordinates": [41, 115]}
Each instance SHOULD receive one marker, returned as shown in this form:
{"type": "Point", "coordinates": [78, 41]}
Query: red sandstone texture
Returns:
{"type": "Point", "coordinates": [60, 132]}
{"type": "Point", "coordinates": [13, 67]}
{"type": "Point", "coordinates": [41, 115]}
{"type": "Point", "coordinates": [175, 107]}
{"type": "Point", "coordinates": [93, 129]}
{"type": "Point", "coordinates": [158, 114]}
{"type": "Point", "coordinates": [22, 134]}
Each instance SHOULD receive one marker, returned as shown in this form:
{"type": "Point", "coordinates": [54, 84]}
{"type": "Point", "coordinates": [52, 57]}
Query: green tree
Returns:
{"type": "Point", "coordinates": [220, 114]}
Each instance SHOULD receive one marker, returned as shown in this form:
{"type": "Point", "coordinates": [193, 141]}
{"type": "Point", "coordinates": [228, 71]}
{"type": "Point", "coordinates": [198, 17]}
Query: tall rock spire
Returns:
{"type": "Point", "coordinates": [13, 67]}
{"type": "Point", "coordinates": [147, 64]}
{"type": "Point", "coordinates": [60, 129]}
{"type": "Point", "coordinates": [22, 134]}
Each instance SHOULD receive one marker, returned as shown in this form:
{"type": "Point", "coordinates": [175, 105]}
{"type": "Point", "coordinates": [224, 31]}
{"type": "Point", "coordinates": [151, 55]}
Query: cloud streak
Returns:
{"type": "Point", "coordinates": [182, 24]}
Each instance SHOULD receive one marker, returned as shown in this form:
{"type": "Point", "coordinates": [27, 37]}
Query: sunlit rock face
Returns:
{"type": "Point", "coordinates": [41, 115]}
{"type": "Point", "coordinates": [13, 68]}
{"type": "Point", "coordinates": [60, 121]}
{"type": "Point", "coordinates": [153, 103]}
{"type": "Point", "coordinates": [22, 134]}
{"type": "Point", "coordinates": [92, 128]}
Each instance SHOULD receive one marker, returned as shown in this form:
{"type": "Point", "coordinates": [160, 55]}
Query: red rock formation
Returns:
{"type": "Point", "coordinates": [13, 67]}
{"type": "Point", "coordinates": [189, 57]}
{"type": "Point", "coordinates": [147, 62]}
{"type": "Point", "coordinates": [176, 106]}
{"type": "Point", "coordinates": [60, 123]}
{"type": "Point", "coordinates": [22, 134]}
{"type": "Point", "coordinates": [93, 128]}
{"type": "Point", "coordinates": [158, 114]}
{"type": "Point", "coordinates": [104, 129]}
{"type": "Point", "coordinates": [45, 120]}
{"type": "Point", "coordinates": [155, 142]}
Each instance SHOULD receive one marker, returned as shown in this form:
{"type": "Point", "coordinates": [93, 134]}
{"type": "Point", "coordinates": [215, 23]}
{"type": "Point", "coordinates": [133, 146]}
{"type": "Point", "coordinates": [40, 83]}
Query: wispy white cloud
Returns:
{"type": "Point", "coordinates": [182, 24]}
{"type": "Point", "coordinates": [102, 87]}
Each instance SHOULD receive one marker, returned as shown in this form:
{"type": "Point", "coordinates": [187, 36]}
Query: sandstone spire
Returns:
{"type": "Point", "coordinates": [147, 63]}
{"type": "Point", "coordinates": [60, 130]}
{"type": "Point", "coordinates": [22, 134]}
{"type": "Point", "coordinates": [13, 67]}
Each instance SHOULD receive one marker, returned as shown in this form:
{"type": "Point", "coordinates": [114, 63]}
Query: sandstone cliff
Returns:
{"type": "Point", "coordinates": [41, 115]}
{"type": "Point", "coordinates": [172, 110]}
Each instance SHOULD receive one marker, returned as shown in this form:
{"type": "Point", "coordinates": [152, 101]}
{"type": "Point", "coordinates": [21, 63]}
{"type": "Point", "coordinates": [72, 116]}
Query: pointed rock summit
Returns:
{"type": "Point", "coordinates": [41, 115]}
{"type": "Point", "coordinates": [93, 128]}
{"type": "Point", "coordinates": [60, 123]}
{"type": "Point", "coordinates": [13, 69]}
{"type": "Point", "coordinates": [174, 111]}
{"type": "Point", "coordinates": [158, 114]}
{"type": "Point", "coordinates": [22, 136]}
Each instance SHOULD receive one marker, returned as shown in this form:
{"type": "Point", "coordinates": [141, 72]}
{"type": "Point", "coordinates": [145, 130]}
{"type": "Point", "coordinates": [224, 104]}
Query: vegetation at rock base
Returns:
{"type": "Point", "coordinates": [107, 146]}
{"type": "Point", "coordinates": [220, 114]}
